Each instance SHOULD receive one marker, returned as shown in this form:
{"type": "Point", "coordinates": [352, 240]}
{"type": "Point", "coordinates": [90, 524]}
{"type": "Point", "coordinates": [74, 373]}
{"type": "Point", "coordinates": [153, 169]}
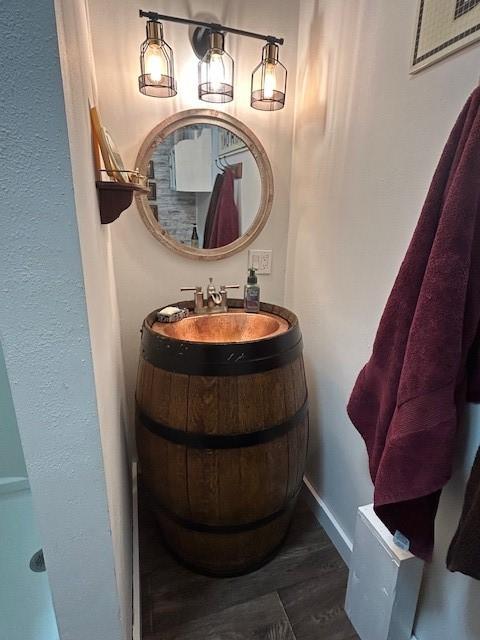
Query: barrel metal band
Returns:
{"type": "Point", "coordinates": [201, 527]}
{"type": "Point", "coordinates": [221, 441]}
{"type": "Point", "coordinates": [219, 360]}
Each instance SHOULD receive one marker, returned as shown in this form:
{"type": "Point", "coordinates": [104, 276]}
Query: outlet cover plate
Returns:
{"type": "Point", "coordinates": [261, 260]}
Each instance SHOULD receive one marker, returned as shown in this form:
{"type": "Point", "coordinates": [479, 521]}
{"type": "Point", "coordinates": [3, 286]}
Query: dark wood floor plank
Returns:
{"type": "Point", "coordinates": [315, 607]}
{"type": "Point", "coordinates": [279, 631]}
{"type": "Point", "coordinates": [198, 593]}
{"type": "Point", "coordinates": [260, 619]}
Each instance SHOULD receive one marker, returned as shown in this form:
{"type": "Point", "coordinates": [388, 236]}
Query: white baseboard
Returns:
{"type": "Point", "coordinates": [328, 521]}
{"type": "Point", "coordinates": [137, 619]}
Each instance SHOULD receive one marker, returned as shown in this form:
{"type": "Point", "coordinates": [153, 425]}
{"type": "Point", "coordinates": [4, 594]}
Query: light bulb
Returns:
{"type": "Point", "coordinates": [155, 63]}
{"type": "Point", "coordinates": [269, 83]}
{"type": "Point", "coordinates": [216, 72]}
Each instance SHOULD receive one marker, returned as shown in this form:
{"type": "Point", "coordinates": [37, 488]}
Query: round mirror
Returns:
{"type": "Point", "coordinates": [210, 184]}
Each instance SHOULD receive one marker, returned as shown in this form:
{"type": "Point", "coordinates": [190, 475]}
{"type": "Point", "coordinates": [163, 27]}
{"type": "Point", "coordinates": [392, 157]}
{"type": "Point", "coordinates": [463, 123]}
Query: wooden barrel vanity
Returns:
{"type": "Point", "coordinates": [222, 428]}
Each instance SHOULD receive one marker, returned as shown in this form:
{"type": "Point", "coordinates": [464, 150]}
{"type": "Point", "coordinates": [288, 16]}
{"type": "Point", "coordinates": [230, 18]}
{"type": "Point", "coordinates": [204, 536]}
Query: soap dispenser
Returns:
{"type": "Point", "coordinates": [251, 300]}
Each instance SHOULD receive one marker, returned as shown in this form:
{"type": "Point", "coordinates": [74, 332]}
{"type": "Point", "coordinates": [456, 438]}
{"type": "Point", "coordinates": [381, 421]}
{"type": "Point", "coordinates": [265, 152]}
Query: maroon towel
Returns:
{"type": "Point", "coordinates": [407, 398]}
{"type": "Point", "coordinates": [226, 225]}
{"type": "Point", "coordinates": [212, 210]}
{"type": "Point", "coordinates": [464, 552]}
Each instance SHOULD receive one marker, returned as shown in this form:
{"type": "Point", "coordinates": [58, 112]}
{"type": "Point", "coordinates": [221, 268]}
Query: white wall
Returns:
{"type": "Point", "coordinates": [44, 331]}
{"type": "Point", "coordinates": [148, 274]}
{"type": "Point", "coordinates": [367, 139]}
{"type": "Point", "coordinates": [78, 73]}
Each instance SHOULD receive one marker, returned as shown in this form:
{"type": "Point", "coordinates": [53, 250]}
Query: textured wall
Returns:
{"type": "Point", "coordinates": [367, 139]}
{"type": "Point", "coordinates": [148, 274]}
{"type": "Point", "coordinates": [44, 331]}
{"type": "Point", "coordinates": [102, 308]}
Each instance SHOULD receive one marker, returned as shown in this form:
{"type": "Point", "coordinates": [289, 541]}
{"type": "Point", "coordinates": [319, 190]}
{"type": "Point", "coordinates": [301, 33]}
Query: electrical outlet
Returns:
{"type": "Point", "coordinates": [261, 260]}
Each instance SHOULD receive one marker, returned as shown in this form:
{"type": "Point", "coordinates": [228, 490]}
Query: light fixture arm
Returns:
{"type": "Point", "coordinates": [212, 26]}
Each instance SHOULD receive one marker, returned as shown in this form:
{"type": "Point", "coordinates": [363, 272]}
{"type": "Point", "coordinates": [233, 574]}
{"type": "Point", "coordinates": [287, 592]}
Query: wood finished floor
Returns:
{"type": "Point", "coordinates": [298, 596]}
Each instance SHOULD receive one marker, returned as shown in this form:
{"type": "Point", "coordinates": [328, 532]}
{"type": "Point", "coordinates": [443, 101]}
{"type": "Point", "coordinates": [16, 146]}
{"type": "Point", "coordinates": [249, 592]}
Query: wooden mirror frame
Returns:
{"type": "Point", "coordinates": [206, 116]}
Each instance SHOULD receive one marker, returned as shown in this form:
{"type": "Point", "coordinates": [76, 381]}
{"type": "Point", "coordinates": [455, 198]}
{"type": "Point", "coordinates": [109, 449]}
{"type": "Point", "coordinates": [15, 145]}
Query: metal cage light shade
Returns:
{"type": "Point", "coordinates": [157, 77]}
{"type": "Point", "coordinates": [269, 81]}
{"type": "Point", "coordinates": [215, 72]}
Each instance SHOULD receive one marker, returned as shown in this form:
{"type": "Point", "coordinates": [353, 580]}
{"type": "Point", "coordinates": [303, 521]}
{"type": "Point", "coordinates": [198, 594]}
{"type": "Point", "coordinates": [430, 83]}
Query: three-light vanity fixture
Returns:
{"type": "Point", "coordinates": [216, 66]}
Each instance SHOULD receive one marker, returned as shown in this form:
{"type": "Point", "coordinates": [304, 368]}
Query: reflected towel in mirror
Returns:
{"type": "Point", "coordinates": [222, 226]}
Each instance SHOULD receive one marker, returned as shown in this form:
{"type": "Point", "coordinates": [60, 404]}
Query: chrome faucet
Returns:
{"type": "Point", "coordinates": [216, 302]}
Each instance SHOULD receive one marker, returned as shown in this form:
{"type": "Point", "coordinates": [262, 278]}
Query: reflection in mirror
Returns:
{"type": "Point", "coordinates": [205, 186]}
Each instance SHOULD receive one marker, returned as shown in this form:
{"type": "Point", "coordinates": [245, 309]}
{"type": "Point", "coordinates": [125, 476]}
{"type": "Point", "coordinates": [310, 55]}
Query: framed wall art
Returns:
{"type": "Point", "coordinates": [152, 191]}
{"type": "Point", "coordinates": [229, 143]}
{"type": "Point", "coordinates": [443, 27]}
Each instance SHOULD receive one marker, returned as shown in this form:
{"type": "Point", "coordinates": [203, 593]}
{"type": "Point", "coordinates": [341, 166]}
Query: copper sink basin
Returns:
{"type": "Point", "coordinates": [234, 326]}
